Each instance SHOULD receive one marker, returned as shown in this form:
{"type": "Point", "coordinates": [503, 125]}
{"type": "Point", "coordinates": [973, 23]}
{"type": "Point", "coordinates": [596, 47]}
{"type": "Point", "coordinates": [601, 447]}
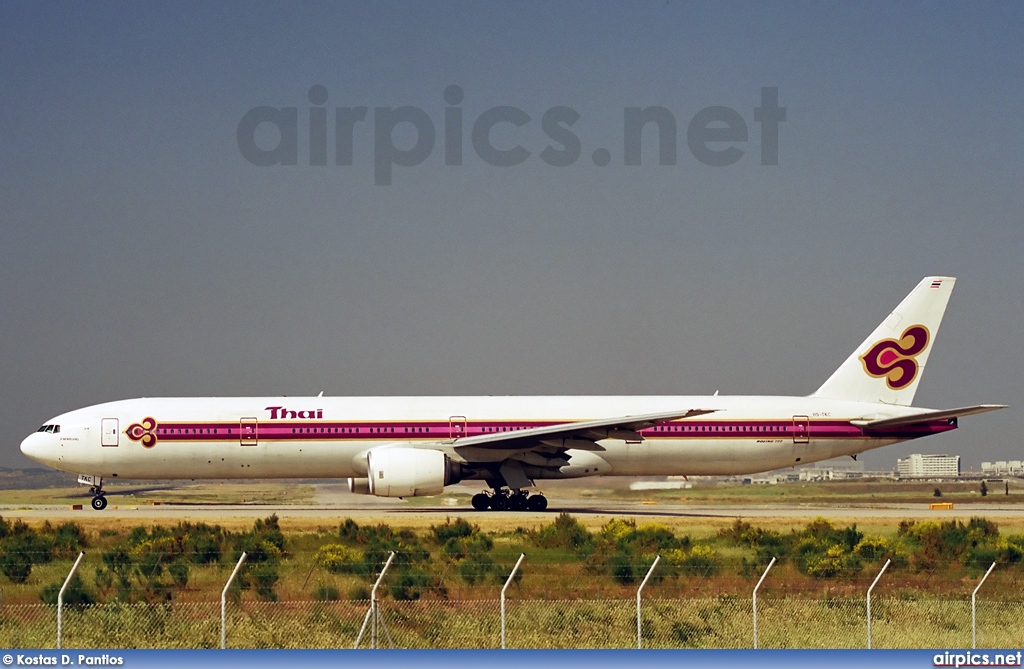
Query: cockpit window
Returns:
{"type": "Point", "coordinates": [52, 429]}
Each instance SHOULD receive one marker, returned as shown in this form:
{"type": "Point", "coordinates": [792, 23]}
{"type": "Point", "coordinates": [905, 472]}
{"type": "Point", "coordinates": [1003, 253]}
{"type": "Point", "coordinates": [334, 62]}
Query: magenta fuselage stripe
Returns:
{"type": "Point", "coordinates": [321, 430]}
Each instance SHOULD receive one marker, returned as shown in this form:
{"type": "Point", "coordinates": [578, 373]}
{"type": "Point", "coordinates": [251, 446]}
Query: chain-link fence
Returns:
{"type": "Point", "coordinates": [723, 622]}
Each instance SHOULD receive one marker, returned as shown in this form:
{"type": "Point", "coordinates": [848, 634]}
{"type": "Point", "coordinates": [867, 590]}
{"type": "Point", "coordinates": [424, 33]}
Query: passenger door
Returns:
{"type": "Point", "coordinates": [248, 431]}
{"type": "Point", "coordinates": [801, 429]}
{"type": "Point", "coordinates": [109, 433]}
{"type": "Point", "coordinates": [457, 427]}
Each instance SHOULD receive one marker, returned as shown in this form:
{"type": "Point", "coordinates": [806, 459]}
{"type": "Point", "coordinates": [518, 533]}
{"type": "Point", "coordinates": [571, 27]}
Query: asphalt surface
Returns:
{"type": "Point", "coordinates": [334, 501]}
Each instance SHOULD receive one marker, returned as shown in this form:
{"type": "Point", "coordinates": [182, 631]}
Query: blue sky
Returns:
{"type": "Point", "coordinates": [142, 254]}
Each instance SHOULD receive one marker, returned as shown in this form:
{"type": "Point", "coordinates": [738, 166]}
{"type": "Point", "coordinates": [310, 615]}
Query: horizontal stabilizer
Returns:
{"type": "Point", "coordinates": [925, 417]}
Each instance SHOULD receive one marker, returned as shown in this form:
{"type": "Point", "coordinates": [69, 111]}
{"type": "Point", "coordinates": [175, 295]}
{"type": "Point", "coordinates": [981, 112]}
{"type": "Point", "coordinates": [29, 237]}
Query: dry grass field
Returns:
{"type": "Point", "coordinates": [559, 588]}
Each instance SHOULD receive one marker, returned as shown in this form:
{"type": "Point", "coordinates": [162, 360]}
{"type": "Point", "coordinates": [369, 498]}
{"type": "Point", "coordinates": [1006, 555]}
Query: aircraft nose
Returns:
{"type": "Point", "coordinates": [31, 447]}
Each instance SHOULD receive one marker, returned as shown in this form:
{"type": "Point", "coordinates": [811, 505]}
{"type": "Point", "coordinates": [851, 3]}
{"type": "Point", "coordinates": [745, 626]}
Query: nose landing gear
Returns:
{"type": "Point", "coordinates": [99, 501]}
{"type": "Point", "coordinates": [513, 500]}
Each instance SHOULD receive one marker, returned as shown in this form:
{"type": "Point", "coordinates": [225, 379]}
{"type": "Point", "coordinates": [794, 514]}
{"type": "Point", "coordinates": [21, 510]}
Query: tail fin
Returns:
{"type": "Point", "coordinates": [888, 366]}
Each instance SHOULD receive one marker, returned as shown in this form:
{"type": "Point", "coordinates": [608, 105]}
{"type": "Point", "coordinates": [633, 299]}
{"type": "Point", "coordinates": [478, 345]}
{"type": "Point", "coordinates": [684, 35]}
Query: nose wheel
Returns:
{"type": "Point", "coordinates": [99, 501]}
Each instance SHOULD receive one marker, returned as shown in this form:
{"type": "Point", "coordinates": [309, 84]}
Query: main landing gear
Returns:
{"type": "Point", "coordinates": [509, 500]}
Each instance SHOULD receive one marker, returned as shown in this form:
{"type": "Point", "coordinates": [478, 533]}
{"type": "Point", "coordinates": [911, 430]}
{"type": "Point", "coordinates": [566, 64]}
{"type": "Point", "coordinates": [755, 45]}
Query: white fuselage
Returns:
{"type": "Point", "coordinates": [329, 437]}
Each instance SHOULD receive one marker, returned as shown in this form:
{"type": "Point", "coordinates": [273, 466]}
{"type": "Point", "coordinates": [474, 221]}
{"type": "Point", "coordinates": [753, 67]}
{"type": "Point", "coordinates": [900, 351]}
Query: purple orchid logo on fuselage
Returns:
{"type": "Point", "coordinates": [896, 359]}
{"type": "Point", "coordinates": [144, 432]}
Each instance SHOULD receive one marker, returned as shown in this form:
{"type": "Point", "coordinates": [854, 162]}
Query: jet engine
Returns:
{"type": "Point", "coordinates": [405, 472]}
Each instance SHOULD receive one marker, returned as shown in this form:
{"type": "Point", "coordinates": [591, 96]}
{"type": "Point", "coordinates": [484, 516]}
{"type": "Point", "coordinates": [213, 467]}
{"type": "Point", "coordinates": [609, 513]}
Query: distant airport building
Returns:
{"type": "Point", "coordinates": [826, 470]}
{"type": "Point", "coordinates": [1002, 468]}
{"type": "Point", "coordinates": [928, 466]}
{"type": "Point", "coordinates": [832, 470]}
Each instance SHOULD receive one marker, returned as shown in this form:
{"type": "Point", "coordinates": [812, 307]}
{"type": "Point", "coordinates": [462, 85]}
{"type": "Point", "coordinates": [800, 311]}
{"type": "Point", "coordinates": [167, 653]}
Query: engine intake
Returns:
{"type": "Point", "coordinates": [406, 472]}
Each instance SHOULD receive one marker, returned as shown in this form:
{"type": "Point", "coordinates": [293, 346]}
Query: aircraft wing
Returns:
{"type": "Point", "coordinates": [925, 417]}
{"type": "Point", "coordinates": [579, 433]}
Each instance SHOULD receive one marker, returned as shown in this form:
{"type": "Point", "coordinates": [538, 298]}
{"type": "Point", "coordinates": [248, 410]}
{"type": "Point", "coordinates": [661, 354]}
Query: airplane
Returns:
{"type": "Point", "coordinates": [407, 446]}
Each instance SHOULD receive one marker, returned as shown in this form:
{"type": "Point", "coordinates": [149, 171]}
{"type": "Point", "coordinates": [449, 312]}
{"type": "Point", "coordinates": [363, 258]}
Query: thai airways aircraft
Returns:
{"type": "Point", "coordinates": [407, 446]}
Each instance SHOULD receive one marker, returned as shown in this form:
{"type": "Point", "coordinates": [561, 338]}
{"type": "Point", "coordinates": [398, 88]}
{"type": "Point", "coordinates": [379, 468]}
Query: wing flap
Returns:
{"type": "Point", "coordinates": [926, 417]}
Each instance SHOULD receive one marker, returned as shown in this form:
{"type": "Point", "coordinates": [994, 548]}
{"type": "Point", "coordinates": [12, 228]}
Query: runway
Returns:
{"type": "Point", "coordinates": [389, 509]}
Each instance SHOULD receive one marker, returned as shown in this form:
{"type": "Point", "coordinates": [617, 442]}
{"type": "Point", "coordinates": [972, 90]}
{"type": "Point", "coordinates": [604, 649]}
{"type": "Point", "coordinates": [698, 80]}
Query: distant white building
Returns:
{"type": "Point", "coordinates": [832, 470]}
{"type": "Point", "coordinates": [825, 470]}
{"type": "Point", "coordinates": [1003, 468]}
{"type": "Point", "coordinates": [928, 466]}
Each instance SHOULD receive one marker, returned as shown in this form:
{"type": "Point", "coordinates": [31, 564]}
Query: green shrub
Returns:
{"type": "Point", "coordinates": [476, 569]}
{"type": "Point", "coordinates": [348, 531]}
{"type": "Point", "coordinates": [832, 563]}
{"type": "Point", "coordinates": [326, 593]}
{"type": "Point", "coordinates": [624, 568]}
{"type": "Point", "coordinates": [564, 532]}
{"type": "Point", "coordinates": [460, 529]}
{"type": "Point", "coordinates": [15, 565]}
{"type": "Point", "coordinates": [409, 584]}
{"type": "Point", "coordinates": [76, 595]}
{"type": "Point", "coordinates": [701, 560]}
{"type": "Point", "coordinates": [338, 558]}
{"type": "Point", "coordinates": [179, 573]}
{"type": "Point", "coordinates": [871, 549]}
{"type": "Point", "coordinates": [68, 539]}
{"type": "Point", "coordinates": [263, 577]}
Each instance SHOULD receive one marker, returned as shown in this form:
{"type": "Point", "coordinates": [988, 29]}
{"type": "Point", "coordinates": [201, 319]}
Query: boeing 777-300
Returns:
{"type": "Point", "coordinates": [408, 446]}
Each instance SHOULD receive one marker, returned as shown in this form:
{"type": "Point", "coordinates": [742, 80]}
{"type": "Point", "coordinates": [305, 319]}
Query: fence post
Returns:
{"type": "Point", "coordinates": [755, 598]}
{"type": "Point", "coordinates": [373, 608]}
{"type": "Point", "coordinates": [60, 602]}
{"type": "Point", "coordinates": [224, 603]}
{"type": "Point", "coordinates": [873, 583]}
{"type": "Point", "coordinates": [974, 618]}
{"type": "Point", "coordinates": [373, 597]}
{"type": "Point", "coordinates": [639, 625]}
{"type": "Point", "coordinates": [508, 582]}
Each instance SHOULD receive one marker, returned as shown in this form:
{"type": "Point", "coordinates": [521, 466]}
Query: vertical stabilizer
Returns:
{"type": "Point", "coordinates": [888, 366]}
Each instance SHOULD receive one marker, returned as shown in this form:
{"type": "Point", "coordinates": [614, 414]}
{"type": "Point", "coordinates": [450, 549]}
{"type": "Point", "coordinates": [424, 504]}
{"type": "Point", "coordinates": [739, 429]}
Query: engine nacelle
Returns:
{"type": "Point", "coordinates": [405, 472]}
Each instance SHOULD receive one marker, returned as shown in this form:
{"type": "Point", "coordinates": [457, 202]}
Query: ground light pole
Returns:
{"type": "Point", "coordinates": [974, 617]}
{"type": "Point", "coordinates": [756, 587]}
{"type": "Point", "coordinates": [873, 583]}
{"type": "Point", "coordinates": [224, 603]}
{"type": "Point", "coordinates": [60, 602]}
{"type": "Point", "coordinates": [508, 582]}
{"type": "Point", "coordinates": [373, 609]}
{"type": "Point", "coordinates": [639, 624]}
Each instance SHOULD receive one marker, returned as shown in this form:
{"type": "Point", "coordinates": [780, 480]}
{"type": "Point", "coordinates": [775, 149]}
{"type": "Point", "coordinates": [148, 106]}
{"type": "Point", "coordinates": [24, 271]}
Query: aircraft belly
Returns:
{"type": "Point", "coordinates": [719, 457]}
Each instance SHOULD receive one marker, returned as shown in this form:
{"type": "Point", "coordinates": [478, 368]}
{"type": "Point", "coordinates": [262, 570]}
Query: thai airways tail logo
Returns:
{"type": "Point", "coordinates": [896, 359]}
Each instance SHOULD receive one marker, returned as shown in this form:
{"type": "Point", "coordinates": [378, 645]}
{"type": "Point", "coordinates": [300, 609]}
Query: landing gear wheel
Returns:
{"type": "Point", "coordinates": [481, 501]}
{"type": "Point", "coordinates": [517, 502]}
{"type": "Point", "coordinates": [499, 502]}
{"type": "Point", "coordinates": [537, 503]}
{"type": "Point", "coordinates": [99, 502]}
